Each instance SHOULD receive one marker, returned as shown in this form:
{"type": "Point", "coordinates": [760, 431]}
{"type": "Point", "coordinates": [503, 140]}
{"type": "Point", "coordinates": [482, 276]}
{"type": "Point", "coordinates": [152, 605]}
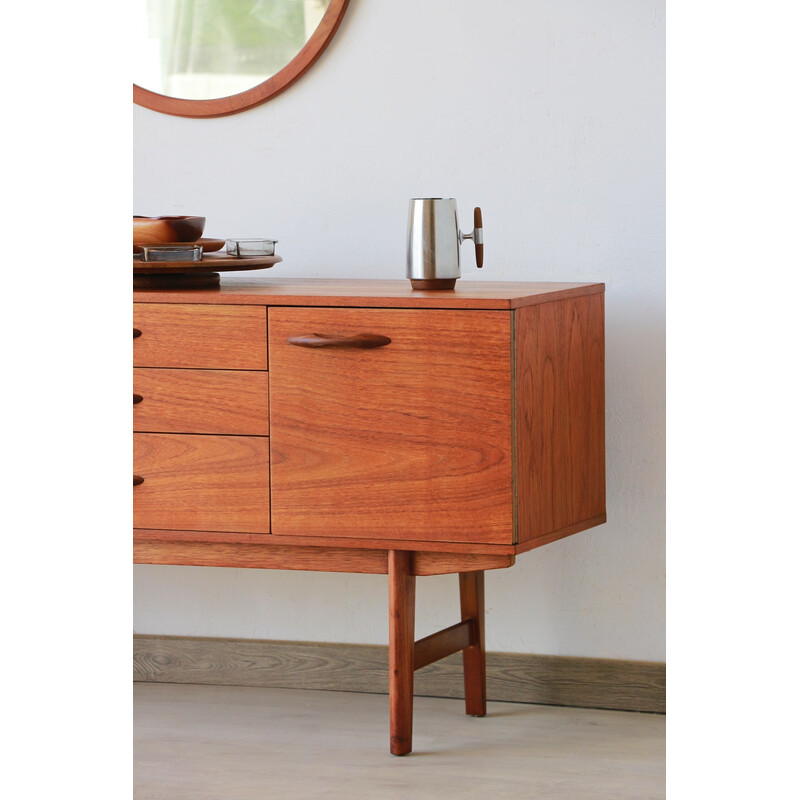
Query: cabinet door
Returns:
{"type": "Point", "coordinates": [201, 483]}
{"type": "Point", "coordinates": [409, 440]}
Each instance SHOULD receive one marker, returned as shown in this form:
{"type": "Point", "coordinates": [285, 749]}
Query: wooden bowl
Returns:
{"type": "Point", "coordinates": [165, 230]}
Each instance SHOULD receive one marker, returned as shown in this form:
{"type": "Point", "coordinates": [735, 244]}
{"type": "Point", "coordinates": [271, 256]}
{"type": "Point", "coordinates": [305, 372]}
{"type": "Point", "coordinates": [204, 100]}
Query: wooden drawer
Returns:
{"type": "Point", "coordinates": [200, 401]}
{"type": "Point", "coordinates": [204, 483]}
{"type": "Point", "coordinates": [210, 337]}
{"type": "Point", "coordinates": [412, 440]}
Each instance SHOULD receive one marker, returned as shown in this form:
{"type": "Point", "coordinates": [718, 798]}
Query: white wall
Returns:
{"type": "Point", "coordinates": [550, 115]}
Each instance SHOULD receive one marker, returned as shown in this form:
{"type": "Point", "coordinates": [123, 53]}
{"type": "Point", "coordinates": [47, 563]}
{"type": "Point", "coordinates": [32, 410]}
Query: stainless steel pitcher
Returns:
{"type": "Point", "coordinates": [433, 259]}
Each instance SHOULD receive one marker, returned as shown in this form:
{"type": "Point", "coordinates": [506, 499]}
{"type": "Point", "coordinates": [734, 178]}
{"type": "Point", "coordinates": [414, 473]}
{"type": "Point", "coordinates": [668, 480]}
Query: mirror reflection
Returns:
{"type": "Point", "coordinates": [205, 49]}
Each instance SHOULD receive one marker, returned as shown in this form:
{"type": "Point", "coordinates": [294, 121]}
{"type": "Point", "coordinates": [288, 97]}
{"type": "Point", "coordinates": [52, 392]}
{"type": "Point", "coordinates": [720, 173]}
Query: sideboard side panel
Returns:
{"type": "Point", "coordinates": [560, 410]}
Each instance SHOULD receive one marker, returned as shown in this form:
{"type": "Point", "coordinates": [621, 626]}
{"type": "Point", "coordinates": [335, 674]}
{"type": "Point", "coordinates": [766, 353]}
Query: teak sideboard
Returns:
{"type": "Point", "coordinates": [362, 426]}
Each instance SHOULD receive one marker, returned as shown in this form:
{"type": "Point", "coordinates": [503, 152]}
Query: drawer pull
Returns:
{"type": "Point", "coordinates": [136, 333]}
{"type": "Point", "coordinates": [137, 398]}
{"type": "Point", "coordinates": [361, 341]}
{"type": "Point", "coordinates": [138, 480]}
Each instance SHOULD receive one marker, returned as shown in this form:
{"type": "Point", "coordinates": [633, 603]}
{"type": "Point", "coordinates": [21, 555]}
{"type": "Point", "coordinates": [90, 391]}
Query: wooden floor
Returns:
{"type": "Point", "coordinates": [236, 743]}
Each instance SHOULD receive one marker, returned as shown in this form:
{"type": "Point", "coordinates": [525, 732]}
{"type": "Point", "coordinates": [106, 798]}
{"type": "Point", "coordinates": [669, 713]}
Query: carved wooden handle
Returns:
{"type": "Point", "coordinates": [137, 398]}
{"type": "Point", "coordinates": [478, 234]}
{"type": "Point", "coordinates": [136, 333]}
{"type": "Point", "coordinates": [361, 341]}
{"type": "Point", "coordinates": [138, 480]}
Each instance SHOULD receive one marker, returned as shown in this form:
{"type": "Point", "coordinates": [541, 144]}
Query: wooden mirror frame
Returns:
{"type": "Point", "coordinates": [280, 81]}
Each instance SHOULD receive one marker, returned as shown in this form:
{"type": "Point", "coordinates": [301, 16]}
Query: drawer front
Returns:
{"type": "Point", "coordinates": [206, 337]}
{"type": "Point", "coordinates": [409, 440]}
{"type": "Point", "coordinates": [200, 401]}
{"type": "Point", "coordinates": [204, 483]}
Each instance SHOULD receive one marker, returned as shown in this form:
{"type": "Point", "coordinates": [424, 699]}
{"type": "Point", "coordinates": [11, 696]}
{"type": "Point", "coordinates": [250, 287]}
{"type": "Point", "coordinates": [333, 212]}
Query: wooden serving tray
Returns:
{"type": "Point", "coordinates": [194, 274]}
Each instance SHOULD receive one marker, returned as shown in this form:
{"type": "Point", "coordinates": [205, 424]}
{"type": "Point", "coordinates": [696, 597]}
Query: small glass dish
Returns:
{"type": "Point", "coordinates": [241, 248]}
{"type": "Point", "coordinates": [166, 253]}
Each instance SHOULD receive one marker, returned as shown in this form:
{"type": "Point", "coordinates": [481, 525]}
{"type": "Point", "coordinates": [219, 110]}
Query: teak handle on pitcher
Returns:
{"type": "Point", "coordinates": [478, 236]}
{"type": "Point", "coordinates": [361, 341]}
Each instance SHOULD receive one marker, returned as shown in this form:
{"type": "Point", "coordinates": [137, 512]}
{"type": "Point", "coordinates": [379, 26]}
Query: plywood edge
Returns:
{"type": "Point", "coordinates": [619, 684]}
{"type": "Point", "coordinates": [514, 439]}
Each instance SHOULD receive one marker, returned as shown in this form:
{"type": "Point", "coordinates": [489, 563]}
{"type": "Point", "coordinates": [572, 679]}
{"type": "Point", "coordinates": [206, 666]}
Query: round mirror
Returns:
{"type": "Point", "coordinates": [209, 58]}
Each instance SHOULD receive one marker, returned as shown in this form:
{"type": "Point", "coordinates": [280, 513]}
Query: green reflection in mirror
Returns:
{"type": "Point", "coordinates": [204, 49]}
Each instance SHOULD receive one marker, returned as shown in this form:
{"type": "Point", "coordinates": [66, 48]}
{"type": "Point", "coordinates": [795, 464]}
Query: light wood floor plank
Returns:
{"type": "Point", "coordinates": [210, 742]}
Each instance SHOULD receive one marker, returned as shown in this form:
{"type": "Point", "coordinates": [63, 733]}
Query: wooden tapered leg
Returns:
{"type": "Point", "coordinates": [401, 651]}
{"type": "Point", "coordinates": [470, 586]}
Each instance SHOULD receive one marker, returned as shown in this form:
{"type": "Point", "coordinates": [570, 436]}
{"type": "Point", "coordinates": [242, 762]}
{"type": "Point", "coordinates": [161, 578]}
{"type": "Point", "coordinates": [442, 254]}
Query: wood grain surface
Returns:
{"type": "Point", "coordinates": [201, 482]}
{"type": "Point", "coordinates": [259, 556]}
{"type": "Point", "coordinates": [402, 590]}
{"type": "Point", "coordinates": [443, 643]}
{"type": "Point", "coordinates": [273, 291]}
{"type": "Point", "coordinates": [514, 677]}
{"type": "Point", "coordinates": [560, 410]}
{"type": "Point", "coordinates": [472, 598]}
{"type": "Point", "coordinates": [201, 401]}
{"type": "Point", "coordinates": [212, 262]}
{"type": "Point", "coordinates": [206, 337]}
{"type": "Point", "coordinates": [443, 549]}
{"type": "Point", "coordinates": [560, 533]}
{"type": "Point", "coordinates": [435, 563]}
{"type": "Point", "coordinates": [409, 441]}
{"type": "Point", "coordinates": [214, 549]}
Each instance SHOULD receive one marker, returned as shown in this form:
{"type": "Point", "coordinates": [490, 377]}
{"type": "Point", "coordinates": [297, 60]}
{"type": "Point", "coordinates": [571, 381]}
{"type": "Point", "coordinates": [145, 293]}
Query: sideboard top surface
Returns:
{"type": "Point", "coordinates": [369, 293]}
